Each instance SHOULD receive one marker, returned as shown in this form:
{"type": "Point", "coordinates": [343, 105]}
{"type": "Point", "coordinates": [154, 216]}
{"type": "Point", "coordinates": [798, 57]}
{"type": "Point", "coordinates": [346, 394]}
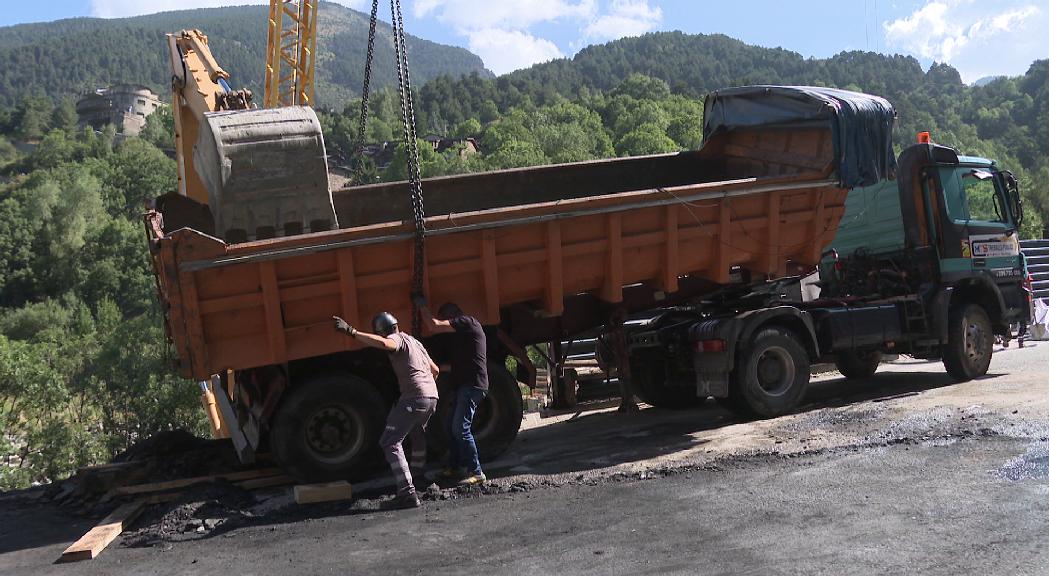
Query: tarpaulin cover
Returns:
{"type": "Point", "coordinates": [861, 124]}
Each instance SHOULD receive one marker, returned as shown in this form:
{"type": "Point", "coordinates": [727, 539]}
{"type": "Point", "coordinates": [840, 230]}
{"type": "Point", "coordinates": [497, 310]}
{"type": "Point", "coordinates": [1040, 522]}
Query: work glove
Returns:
{"type": "Point", "coordinates": [344, 327]}
{"type": "Point", "coordinates": [419, 299]}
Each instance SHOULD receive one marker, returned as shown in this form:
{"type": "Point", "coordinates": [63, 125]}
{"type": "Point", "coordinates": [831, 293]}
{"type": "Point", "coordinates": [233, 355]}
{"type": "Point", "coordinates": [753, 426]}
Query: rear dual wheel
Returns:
{"type": "Point", "coordinates": [328, 428]}
{"type": "Point", "coordinates": [856, 365]}
{"type": "Point", "coordinates": [771, 375]}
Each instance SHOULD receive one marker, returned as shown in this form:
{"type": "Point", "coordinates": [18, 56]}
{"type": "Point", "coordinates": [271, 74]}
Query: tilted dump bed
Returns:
{"type": "Point", "coordinates": [542, 251]}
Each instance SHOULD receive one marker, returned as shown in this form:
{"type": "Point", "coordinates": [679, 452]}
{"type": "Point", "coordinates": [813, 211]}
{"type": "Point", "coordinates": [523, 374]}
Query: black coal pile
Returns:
{"type": "Point", "coordinates": [165, 456]}
{"type": "Point", "coordinates": [197, 513]}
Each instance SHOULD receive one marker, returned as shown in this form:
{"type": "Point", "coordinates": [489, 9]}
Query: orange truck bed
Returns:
{"type": "Point", "coordinates": [523, 243]}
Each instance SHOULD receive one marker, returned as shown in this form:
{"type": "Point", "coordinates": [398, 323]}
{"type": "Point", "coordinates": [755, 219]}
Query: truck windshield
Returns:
{"type": "Point", "coordinates": [973, 194]}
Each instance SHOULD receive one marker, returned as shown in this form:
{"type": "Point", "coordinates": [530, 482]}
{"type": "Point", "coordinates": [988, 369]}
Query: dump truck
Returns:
{"type": "Point", "coordinates": [536, 254]}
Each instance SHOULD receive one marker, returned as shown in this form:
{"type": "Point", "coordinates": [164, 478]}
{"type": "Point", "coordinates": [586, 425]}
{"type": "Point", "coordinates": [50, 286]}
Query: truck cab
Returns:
{"type": "Point", "coordinates": [946, 230]}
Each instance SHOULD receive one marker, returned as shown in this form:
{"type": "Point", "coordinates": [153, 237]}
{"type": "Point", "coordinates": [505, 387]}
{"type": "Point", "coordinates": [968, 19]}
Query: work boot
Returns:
{"type": "Point", "coordinates": [473, 480]}
{"type": "Point", "coordinates": [401, 502]}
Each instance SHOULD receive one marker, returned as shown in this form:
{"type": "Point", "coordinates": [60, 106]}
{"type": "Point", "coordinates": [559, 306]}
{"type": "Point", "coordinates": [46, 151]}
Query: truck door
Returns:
{"type": "Point", "coordinates": [977, 208]}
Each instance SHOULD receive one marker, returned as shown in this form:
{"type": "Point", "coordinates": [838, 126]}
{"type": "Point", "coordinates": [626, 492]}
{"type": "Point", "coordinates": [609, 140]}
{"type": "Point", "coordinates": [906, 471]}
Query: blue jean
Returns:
{"type": "Point", "coordinates": [462, 450]}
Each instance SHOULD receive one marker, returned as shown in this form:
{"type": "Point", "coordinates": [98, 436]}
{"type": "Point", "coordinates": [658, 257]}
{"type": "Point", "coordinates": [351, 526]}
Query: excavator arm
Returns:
{"type": "Point", "coordinates": [256, 173]}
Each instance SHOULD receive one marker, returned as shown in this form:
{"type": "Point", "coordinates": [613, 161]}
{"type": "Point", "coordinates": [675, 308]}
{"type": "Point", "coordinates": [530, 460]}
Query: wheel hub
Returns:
{"type": "Point", "coordinates": [974, 341]}
{"type": "Point", "coordinates": [775, 370]}
{"type": "Point", "coordinates": [330, 431]}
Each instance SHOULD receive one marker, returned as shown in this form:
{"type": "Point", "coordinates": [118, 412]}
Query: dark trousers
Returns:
{"type": "Point", "coordinates": [462, 450]}
{"type": "Point", "coordinates": [408, 416]}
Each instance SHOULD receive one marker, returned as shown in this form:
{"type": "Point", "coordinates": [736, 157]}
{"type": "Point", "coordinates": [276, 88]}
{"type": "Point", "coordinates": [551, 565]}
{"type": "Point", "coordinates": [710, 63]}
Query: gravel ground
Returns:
{"type": "Point", "coordinates": [904, 472]}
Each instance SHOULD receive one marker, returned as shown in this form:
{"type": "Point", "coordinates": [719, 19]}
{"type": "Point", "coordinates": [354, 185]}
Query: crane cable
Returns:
{"type": "Point", "coordinates": [411, 146]}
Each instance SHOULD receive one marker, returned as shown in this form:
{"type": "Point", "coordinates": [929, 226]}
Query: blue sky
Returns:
{"type": "Point", "coordinates": [979, 37]}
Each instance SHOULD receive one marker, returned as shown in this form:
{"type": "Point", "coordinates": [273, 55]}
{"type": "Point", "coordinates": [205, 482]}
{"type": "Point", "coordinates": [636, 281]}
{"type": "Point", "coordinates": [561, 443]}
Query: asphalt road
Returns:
{"type": "Point", "coordinates": [902, 473]}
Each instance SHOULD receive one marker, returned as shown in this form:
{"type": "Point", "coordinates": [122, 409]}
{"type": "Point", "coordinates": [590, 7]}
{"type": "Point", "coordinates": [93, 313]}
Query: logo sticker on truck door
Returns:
{"type": "Point", "coordinates": [992, 245]}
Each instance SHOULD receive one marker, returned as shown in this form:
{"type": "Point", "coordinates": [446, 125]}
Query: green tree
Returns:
{"type": "Point", "coordinates": [645, 139]}
{"type": "Point", "coordinates": [32, 117]}
{"type": "Point", "coordinates": [468, 128]}
{"type": "Point", "coordinates": [64, 117]}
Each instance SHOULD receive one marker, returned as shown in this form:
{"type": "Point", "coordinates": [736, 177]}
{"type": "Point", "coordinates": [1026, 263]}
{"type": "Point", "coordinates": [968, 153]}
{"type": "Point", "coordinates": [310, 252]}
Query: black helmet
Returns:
{"type": "Point", "coordinates": [384, 324]}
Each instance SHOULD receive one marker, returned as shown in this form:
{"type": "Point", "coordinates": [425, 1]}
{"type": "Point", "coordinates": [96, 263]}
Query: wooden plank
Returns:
{"type": "Point", "coordinates": [274, 317]}
{"type": "Point", "coordinates": [490, 269]}
{"type": "Point", "coordinates": [311, 493]}
{"type": "Point", "coordinates": [554, 300]}
{"type": "Point", "coordinates": [96, 539]}
{"type": "Point", "coordinates": [671, 266]}
{"type": "Point", "coordinates": [256, 483]}
{"type": "Point", "coordinates": [183, 482]}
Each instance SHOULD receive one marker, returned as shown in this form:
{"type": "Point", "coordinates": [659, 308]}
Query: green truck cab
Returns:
{"type": "Point", "coordinates": [942, 240]}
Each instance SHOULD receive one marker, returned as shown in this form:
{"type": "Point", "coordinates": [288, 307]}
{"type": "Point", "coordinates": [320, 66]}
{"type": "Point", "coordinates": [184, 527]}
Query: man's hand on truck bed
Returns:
{"type": "Point", "coordinates": [342, 326]}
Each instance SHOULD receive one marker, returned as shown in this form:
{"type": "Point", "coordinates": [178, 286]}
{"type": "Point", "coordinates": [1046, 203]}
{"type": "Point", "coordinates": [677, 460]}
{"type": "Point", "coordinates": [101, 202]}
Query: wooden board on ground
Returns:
{"type": "Point", "coordinates": [97, 538]}
{"type": "Point", "coordinates": [310, 493]}
{"type": "Point", "coordinates": [256, 483]}
{"type": "Point", "coordinates": [183, 482]}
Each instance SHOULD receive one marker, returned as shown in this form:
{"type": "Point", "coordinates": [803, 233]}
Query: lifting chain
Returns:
{"type": "Point", "coordinates": [411, 146]}
{"type": "Point", "coordinates": [365, 94]}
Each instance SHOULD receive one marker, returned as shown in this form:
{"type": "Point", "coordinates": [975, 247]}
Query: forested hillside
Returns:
{"type": "Point", "coordinates": [68, 57]}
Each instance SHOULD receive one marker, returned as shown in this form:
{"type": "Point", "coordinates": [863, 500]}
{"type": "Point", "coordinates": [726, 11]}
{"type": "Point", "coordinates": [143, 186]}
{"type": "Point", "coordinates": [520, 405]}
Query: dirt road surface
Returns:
{"type": "Point", "coordinates": [902, 473]}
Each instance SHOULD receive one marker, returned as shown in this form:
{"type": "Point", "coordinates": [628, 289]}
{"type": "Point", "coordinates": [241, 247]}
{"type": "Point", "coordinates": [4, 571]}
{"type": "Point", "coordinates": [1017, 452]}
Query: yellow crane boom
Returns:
{"type": "Point", "coordinates": [291, 53]}
{"type": "Point", "coordinates": [257, 173]}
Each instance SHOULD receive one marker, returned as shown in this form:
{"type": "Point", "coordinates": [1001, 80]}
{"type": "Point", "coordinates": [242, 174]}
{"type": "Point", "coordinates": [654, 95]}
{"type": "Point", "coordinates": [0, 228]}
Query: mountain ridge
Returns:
{"type": "Point", "coordinates": [76, 55]}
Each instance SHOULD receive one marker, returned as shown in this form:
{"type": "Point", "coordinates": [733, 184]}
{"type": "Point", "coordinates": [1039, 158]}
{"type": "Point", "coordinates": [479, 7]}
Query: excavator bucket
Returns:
{"type": "Point", "coordinates": [266, 173]}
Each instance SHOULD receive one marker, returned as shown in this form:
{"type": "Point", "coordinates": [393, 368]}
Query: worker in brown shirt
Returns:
{"type": "Point", "coordinates": [416, 374]}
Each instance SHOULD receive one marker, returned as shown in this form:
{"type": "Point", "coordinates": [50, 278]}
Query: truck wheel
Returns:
{"type": "Point", "coordinates": [496, 422]}
{"type": "Point", "coordinates": [649, 379]}
{"type": "Point", "coordinates": [328, 429]}
{"type": "Point", "coordinates": [970, 342]}
{"type": "Point", "coordinates": [772, 375]}
{"type": "Point", "coordinates": [855, 365]}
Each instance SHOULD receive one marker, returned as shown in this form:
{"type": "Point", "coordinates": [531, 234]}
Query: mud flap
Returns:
{"type": "Point", "coordinates": [244, 449]}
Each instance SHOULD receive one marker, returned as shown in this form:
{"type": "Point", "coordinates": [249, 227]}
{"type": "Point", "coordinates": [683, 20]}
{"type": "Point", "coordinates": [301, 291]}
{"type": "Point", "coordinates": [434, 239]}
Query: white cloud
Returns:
{"type": "Point", "coordinates": [125, 8]}
{"type": "Point", "coordinates": [502, 32]}
{"type": "Point", "coordinates": [514, 15]}
{"type": "Point", "coordinates": [625, 18]}
{"type": "Point", "coordinates": [507, 50]}
{"type": "Point", "coordinates": [977, 38]}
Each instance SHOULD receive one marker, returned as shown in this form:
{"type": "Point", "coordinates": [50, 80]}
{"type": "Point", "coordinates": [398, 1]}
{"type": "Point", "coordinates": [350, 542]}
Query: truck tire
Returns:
{"type": "Point", "coordinates": [858, 364]}
{"type": "Point", "coordinates": [771, 376]}
{"type": "Point", "coordinates": [496, 422]}
{"type": "Point", "coordinates": [498, 418]}
{"type": "Point", "coordinates": [328, 428]}
{"type": "Point", "coordinates": [970, 342]}
{"type": "Point", "coordinates": [649, 380]}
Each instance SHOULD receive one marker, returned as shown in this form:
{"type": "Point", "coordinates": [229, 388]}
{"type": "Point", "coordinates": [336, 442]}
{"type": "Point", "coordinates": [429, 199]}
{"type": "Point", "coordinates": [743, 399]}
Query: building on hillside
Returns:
{"type": "Point", "coordinates": [125, 106]}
